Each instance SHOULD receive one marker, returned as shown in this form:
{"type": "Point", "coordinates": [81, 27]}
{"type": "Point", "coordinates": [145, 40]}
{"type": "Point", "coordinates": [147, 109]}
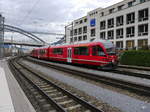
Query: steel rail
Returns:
{"type": "Point", "coordinates": [77, 99]}
{"type": "Point", "coordinates": [129, 73]}
{"type": "Point", "coordinates": [81, 101]}
{"type": "Point", "coordinates": [23, 86]}
{"type": "Point", "coordinates": [134, 87]}
{"type": "Point", "coordinates": [136, 68]}
{"type": "Point", "coordinates": [51, 101]}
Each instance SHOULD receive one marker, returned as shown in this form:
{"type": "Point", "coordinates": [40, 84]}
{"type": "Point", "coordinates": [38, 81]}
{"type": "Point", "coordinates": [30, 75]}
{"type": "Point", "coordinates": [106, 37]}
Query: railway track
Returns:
{"type": "Point", "coordinates": [134, 67]}
{"type": "Point", "coordinates": [120, 83]}
{"type": "Point", "coordinates": [47, 96]}
{"type": "Point", "coordinates": [127, 71]}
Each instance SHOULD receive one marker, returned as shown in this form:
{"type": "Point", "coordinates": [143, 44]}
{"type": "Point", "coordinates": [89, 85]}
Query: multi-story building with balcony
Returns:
{"type": "Point", "coordinates": [126, 24]}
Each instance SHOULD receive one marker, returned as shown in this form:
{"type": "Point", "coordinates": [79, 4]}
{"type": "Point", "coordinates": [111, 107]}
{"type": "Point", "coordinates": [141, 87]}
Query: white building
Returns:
{"type": "Point", "coordinates": [126, 24]}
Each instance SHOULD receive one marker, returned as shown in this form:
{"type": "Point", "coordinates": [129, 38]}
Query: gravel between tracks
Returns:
{"type": "Point", "coordinates": [120, 101]}
{"type": "Point", "coordinates": [85, 96]}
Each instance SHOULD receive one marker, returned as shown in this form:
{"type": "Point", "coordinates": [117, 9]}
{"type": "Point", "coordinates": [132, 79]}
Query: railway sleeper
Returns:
{"type": "Point", "coordinates": [61, 99]}
{"type": "Point", "coordinates": [51, 91]}
{"type": "Point", "coordinates": [65, 102]}
{"type": "Point", "coordinates": [55, 94]}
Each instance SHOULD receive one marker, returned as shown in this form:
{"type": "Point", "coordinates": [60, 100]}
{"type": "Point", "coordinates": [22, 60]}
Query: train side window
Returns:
{"type": "Point", "coordinates": [81, 51]}
{"type": "Point", "coordinates": [76, 51]}
{"type": "Point", "coordinates": [42, 51]}
{"type": "Point", "coordinates": [97, 51]}
{"type": "Point", "coordinates": [58, 51]}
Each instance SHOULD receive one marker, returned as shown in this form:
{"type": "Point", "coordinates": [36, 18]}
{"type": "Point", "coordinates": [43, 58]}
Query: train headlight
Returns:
{"type": "Point", "coordinates": [113, 61]}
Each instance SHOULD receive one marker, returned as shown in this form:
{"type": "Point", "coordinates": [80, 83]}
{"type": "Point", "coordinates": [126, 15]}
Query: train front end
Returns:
{"type": "Point", "coordinates": [111, 55]}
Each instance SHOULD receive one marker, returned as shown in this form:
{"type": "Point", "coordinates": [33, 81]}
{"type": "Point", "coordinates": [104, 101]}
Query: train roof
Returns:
{"type": "Point", "coordinates": [106, 44]}
{"type": "Point", "coordinates": [85, 43]}
{"type": "Point", "coordinates": [44, 47]}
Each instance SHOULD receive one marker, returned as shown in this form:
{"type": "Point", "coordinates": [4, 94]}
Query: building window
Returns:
{"type": "Point", "coordinates": [71, 32]}
{"type": "Point", "coordinates": [130, 18]}
{"type": "Point", "coordinates": [75, 31]}
{"type": "Point", "coordinates": [119, 21]}
{"type": "Point", "coordinates": [143, 30]}
{"type": "Point", "coordinates": [75, 39]}
{"type": "Point", "coordinates": [143, 14]}
{"type": "Point", "coordinates": [81, 21]}
{"type": "Point", "coordinates": [111, 34]}
{"type": "Point", "coordinates": [111, 10]}
{"type": "Point", "coordinates": [85, 37]}
{"type": "Point", "coordinates": [93, 32]}
{"type": "Point", "coordinates": [85, 29]}
{"type": "Point", "coordinates": [80, 31]}
{"type": "Point", "coordinates": [102, 25]}
{"type": "Point", "coordinates": [111, 23]}
{"type": "Point", "coordinates": [130, 44]}
{"type": "Point", "coordinates": [102, 13]}
{"type": "Point", "coordinates": [142, 1]}
{"type": "Point", "coordinates": [80, 38]}
{"type": "Point", "coordinates": [76, 22]}
{"type": "Point", "coordinates": [102, 35]}
{"type": "Point", "coordinates": [130, 32]}
{"type": "Point", "coordinates": [120, 7]}
{"type": "Point", "coordinates": [85, 20]}
{"type": "Point", "coordinates": [119, 44]}
{"type": "Point", "coordinates": [142, 43]}
{"type": "Point", "coordinates": [119, 33]}
{"type": "Point", "coordinates": [71, 40]}
{"type": "Point", "coordinates": [130, 4]}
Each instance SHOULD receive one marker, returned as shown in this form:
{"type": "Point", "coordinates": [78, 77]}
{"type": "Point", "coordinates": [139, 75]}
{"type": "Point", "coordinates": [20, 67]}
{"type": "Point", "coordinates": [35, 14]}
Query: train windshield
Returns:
{"type": "Point", "coordinates": [110, 48]}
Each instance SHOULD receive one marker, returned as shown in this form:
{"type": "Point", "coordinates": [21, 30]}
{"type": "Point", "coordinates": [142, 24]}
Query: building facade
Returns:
{"type": "Point", "coordinates": [126, 24]}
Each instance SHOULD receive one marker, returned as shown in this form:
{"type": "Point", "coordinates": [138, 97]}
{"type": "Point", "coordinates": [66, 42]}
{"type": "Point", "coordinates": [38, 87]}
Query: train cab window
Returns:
{"type": "Point", "coordinates": [81, 51]}
{"type": "Point", "coordinates": [58, 51]}
{"type": "Point", "coordinates": [97, 51]}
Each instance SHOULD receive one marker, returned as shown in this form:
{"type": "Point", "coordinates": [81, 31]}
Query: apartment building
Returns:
{"type": "Point", "coordinates": [126, 24]}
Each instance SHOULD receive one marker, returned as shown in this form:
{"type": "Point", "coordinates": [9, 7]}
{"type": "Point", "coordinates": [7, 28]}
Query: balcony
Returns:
{"type": "Point", "coordinates": [143, 19]}
{"type": "Point", "coordinates": [130, 35]}
{"type": "Point", "coordinates": [142, 33]}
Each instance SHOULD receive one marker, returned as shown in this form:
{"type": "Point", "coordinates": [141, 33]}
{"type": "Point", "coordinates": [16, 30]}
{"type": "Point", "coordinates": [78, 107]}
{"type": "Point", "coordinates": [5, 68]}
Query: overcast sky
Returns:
{"type": "Point", "coordinates": [47, 15]}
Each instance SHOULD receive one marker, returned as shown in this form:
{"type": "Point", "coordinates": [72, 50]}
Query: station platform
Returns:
{"type": "Point", "coordinates": [12, 98]}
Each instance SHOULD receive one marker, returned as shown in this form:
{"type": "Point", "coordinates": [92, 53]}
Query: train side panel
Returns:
{"type": "Point", "coordinates": [95, 53]}
{"type": "Point", "coordinates": [86, 55]}
{"type": "Point", "coordinates": [43, 53]}
{"type": "Point", "coordinates": [58, 54]}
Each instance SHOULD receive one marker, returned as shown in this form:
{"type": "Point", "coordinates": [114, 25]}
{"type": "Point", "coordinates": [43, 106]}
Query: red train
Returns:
{"type": "Point", "coordinates": [101, 54]}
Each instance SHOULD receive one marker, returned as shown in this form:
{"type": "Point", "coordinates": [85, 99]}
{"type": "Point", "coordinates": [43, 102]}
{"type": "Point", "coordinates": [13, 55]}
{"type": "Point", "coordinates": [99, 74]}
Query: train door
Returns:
{"type": "Point", "coordinates": [69, 55]}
